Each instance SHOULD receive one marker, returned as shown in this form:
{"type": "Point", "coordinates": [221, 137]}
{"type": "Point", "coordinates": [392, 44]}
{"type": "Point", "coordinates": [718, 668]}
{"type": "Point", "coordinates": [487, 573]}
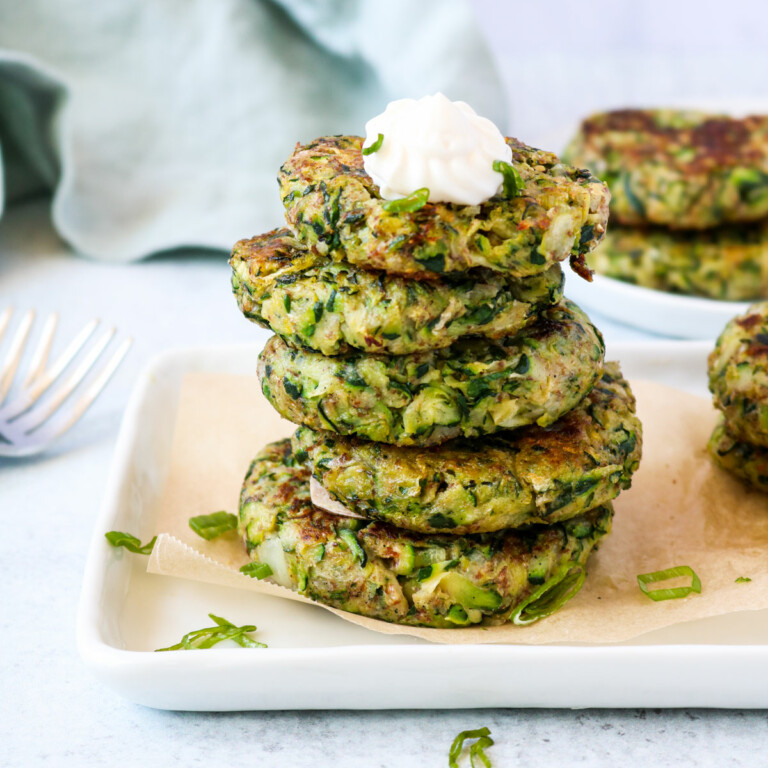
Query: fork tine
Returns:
{"type": "Point", "coordinates": [5, 318]}
{"type": "Point", "coordinates": [11, 362]}
{"type": "Point", "coordinates": [40, 415]}
{"type": "Point", "coordinates": [46, 378]}
{"type": "Point", "coordinates": [40, 356]}
{"type": "Point", "coordinates": [94, 388]}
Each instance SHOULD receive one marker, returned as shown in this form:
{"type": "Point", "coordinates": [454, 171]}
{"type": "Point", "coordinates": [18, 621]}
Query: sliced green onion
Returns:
{"type": "Point", "coordinates": [476, 750]}
{"type": "Point", "coordinates": [671, 593]}
{"type": "Point", "coordinates": [513, 182]}
{"type": "Point", "coordinates": [413, 202]}
{"type": "Point", "coordinates": [211, 526]}
{"type": "Point", "coordinates": [129, 542]}
{"type": "Point", "coordinates": [550, 596]}
{"type": "Point", "coordinates": [210, 636]}
{"type": "Point", "coordinates": [743, 579]}
{"type": "Point", "coordinates": [375, 147]}
{"type": "Point", "coordinates": [257, 570]}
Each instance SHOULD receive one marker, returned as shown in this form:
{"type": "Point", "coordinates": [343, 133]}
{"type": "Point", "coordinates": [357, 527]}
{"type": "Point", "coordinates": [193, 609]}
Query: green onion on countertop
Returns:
{"type": "Point", "coordinates": [743, 579]}
{"type": "Point", "coordinates": [375, 147]}
{"type": "Point", "coordinates": [513, 182]}
{"type": "Point", "coordinates": [409, 204]}
{"type": "Point", "coordinates": [477, 750]}
{"type": "Point", "coordinates": [211, 526]}
{"type": "Point", "coordinates": [129, 542]}
{"type": "Point", "coordinates": [671, 593]}
{"type": "Point", "coordinates": [210, 636]}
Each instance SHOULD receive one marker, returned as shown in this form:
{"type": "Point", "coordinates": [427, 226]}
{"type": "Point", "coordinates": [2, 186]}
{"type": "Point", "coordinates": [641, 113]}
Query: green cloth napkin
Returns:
{"type": "Point", "coordinates": [156, 124]}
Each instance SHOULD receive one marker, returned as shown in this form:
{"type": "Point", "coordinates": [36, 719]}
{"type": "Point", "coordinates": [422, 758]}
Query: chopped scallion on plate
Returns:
{"type": "Point", "coordinates": [210, 636]}
{"type": "Point", "coordinates": [256, 570]}
{"type": "Point", "coordinates": [211, 526]}
{"type": "Point", "coordinates": [550, 596]}
{"type": "Point", "coordinates": [670, 593]}
{"type": "Point", "coordinates": [129, 542]}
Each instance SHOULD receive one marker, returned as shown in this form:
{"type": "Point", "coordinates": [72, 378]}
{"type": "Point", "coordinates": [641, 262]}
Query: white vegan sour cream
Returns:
{"type": "Point", "coordinates": [435, 143]}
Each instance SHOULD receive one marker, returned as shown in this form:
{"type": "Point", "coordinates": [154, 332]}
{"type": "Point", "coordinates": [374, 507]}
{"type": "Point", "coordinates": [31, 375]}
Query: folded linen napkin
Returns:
{"type": "Point", "coordinates": [162, 123]}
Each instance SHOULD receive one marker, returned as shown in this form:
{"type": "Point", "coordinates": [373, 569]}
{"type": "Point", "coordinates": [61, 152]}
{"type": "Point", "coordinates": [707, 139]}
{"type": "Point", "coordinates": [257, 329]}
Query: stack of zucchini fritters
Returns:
{"type": "Point", "coordinates": [738, 379]}
{"type": "Point", "coordinates": [691, 193]}
{"type": "Point", "coordinates": [447, 395]}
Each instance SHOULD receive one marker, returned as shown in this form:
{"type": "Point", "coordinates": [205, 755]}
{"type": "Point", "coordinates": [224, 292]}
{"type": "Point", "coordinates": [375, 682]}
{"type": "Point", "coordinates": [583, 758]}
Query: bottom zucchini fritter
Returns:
{"type": "Point", "coordinates": [746, 461]}
{"type": "Point", "coordinates": [377, 570]}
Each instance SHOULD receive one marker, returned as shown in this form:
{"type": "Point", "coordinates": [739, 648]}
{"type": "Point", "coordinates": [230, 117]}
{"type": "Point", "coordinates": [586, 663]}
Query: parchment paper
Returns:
{"type": "Point", "coordinates": [681, 510]}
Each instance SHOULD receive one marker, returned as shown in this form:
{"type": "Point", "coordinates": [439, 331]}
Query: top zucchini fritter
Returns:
{"type": "Point", "coordinates": [333, 307]}
{"type": "Point", "coordinates": [738, 375]}
{"type": "Point", "coordinates": [334, 206]}
{"type": "Point", "coordinates": [682, 169]}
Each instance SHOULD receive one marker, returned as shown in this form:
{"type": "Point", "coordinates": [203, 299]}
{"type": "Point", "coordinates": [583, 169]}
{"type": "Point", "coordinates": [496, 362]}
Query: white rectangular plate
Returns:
{"type": "Point", "coordinates": [317, 661]}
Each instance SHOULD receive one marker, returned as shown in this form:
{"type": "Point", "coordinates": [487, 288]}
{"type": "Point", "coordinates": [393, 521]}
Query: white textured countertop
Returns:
{"type": "Point", "coordinates": [53, 713]}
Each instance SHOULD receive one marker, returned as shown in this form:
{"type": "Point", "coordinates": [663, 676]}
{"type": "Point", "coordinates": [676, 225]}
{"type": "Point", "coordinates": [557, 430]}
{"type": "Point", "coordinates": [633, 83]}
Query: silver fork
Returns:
{"type": "Point", "coordinates": [29, 424]}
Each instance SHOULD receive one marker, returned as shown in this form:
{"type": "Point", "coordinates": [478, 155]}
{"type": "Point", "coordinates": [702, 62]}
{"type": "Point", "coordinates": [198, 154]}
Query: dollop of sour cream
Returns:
{"type": "Point", "coordinates": [436, 143]}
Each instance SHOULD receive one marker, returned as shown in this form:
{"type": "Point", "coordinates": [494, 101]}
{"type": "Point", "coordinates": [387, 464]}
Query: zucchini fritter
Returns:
{"type": "Point", "coordinates": [376, 570]}
{"type": "Point", "coordinates": [727, 263]}
{"type": "Point", "coordinates": [532, 475]}
{"type": "Point", "coordinates": [333, 205]}
{"type": "Point", "coordinates": [738, 375]}
{"type": "Point", "coordinates": [333, 307]}
{"type": "Point", "coordinates": [681, 169]}
{"type": "Point", "coordinates": [746, 461]}
{"type": "Point", "coordinates": [475, 387]}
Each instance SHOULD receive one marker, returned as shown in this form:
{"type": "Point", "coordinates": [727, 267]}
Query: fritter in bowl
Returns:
{"type": "Point", "coordinates": [512, 479]}
{"type": "Point", "coordinates": [377, 570]}
{"type": "Point", "coordinates": [680, 169]}
{"type": "Point", "coordinates": [475, 387]}
{"type": "Point", "coordinates": [333, 308]}
{"type": "Point", "coordinates": [728, 263]}
{"type": "Point", "coordinates": [334, 206]}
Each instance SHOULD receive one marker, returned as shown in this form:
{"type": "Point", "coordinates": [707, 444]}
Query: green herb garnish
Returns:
{"type": "Point", "coordinates": [413, 202]}
{"type": "Point", "coordinates": [131, 543]}
{"type": "Point", "coordinates": [477, 750]}
{"type": "Point", "coordinates": [671, 593]}
{"type": "Point", "coordinates": [210, 636]}
{"type": "Point", "coordinates": [375, 147]}
{"type": "Point", "coordinates": [256, 570]}
{"type": "Point", "coordinates": [550, 596]}
{"type": "Point", "coordinates": [513, 182]}
{"type": "Point", "coordinates": [743, 579]}
{"type": "Point", "coordinates": [210, 526]}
